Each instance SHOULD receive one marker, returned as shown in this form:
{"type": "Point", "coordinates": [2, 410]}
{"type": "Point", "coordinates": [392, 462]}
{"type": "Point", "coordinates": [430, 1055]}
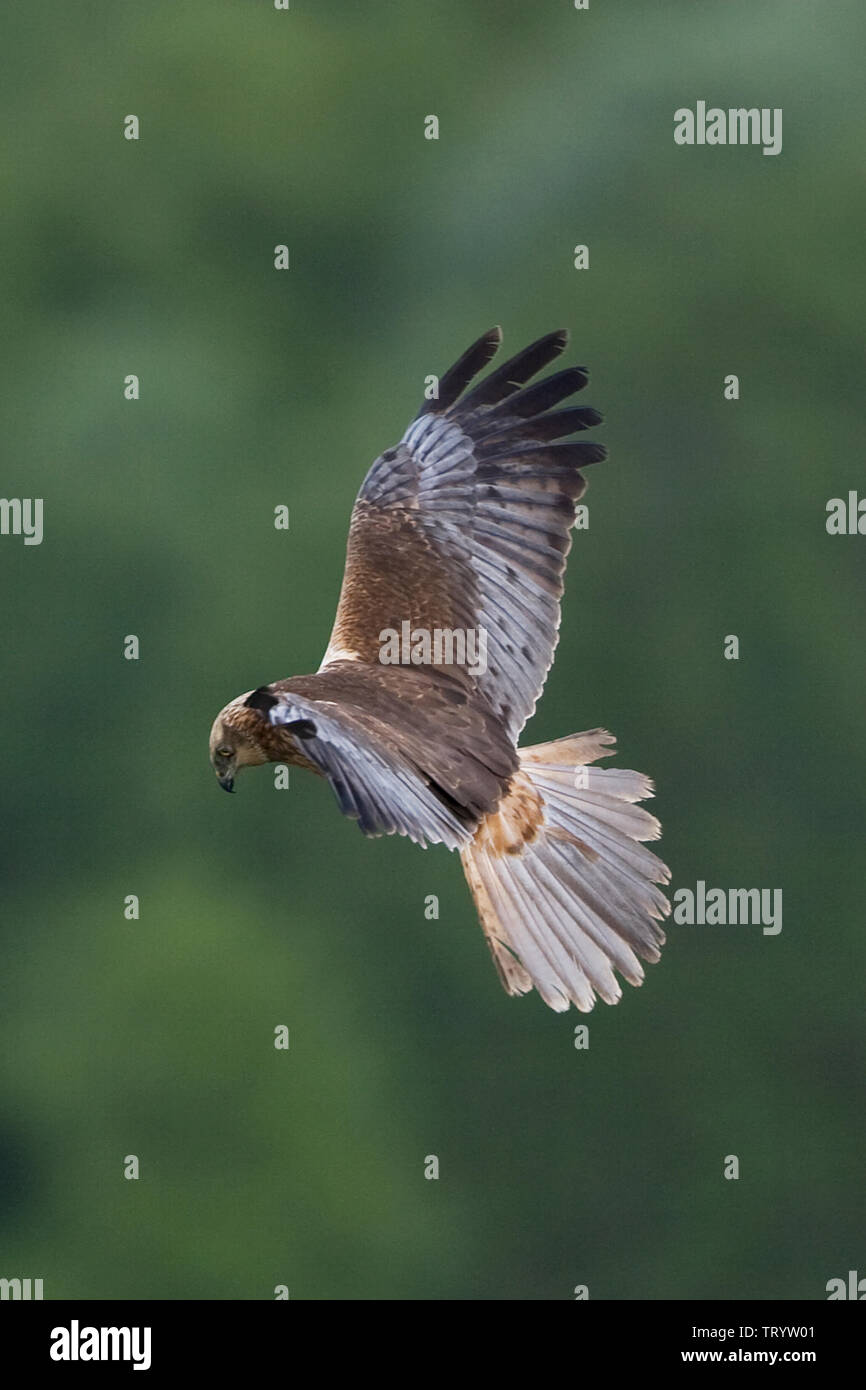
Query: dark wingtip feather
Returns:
{"type": "Point", "coordinates": [582, 452]}
{"type": "Point", "coordinates": [465, 368]}
{"type": "Point", "coordinates": [505, 433]}
{"type": "Point", "coordinates": [576, 453]}
{"type": "Point", "coordinates": [518, 369]}
{"type": "Point", "coordinates": [532, 400]}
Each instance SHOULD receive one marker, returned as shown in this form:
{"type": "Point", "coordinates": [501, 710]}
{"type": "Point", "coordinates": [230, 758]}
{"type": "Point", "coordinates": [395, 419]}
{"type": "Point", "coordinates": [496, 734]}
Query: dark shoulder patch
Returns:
{"type": "Point", "coordinates": [261, 700]}
{"type": "Point", "coordinates": [301, 728]}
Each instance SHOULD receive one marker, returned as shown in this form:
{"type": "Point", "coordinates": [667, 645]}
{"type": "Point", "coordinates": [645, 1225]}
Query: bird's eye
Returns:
{"type": "Point", "coordinates": [224, 752]}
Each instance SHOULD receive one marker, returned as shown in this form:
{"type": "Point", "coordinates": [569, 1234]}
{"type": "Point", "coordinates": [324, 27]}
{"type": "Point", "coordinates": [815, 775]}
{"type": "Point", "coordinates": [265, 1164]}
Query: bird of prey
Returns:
{"type": "Point", "coordinates": [464, 528]}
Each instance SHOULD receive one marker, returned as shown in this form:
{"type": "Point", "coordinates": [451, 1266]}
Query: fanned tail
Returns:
{"type": "Point", "coordinates": [565, 889]}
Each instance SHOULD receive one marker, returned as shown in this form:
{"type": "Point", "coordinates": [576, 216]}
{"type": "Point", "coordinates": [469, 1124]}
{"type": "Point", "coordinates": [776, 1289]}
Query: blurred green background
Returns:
{"type": "Point", "coordinates": [258, 388]}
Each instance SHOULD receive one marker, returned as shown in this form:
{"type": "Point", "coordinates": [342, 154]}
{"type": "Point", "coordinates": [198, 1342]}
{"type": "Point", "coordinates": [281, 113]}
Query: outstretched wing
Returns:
{"type": "Point", "coordinates": [465, 524]}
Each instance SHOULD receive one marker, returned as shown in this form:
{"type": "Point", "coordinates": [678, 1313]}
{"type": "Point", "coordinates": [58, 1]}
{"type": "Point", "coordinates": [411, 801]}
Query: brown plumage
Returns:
{"type": "Point", "coordinates": [464, 528]}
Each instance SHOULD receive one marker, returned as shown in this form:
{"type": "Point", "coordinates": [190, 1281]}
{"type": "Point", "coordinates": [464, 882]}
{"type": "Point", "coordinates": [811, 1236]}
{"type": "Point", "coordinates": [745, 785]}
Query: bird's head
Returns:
{"type": "Point", "coordinates": [231, 749]}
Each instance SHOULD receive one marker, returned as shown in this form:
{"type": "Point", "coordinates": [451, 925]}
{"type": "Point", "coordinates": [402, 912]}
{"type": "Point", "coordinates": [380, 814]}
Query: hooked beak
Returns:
{"type": "Point", "coordinates": [227, 783]}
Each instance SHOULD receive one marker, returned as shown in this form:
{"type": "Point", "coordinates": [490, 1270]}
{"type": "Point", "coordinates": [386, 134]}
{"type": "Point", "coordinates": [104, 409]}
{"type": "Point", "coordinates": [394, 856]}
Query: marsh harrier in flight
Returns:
{"type": "Point", "coordinates": [463, 528]}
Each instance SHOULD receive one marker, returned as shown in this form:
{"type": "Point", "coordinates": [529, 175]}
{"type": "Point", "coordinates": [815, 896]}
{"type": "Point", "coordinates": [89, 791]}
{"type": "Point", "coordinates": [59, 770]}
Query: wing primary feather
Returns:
{"type": "Point", "coordinates": [540, 460]}
{"type": "Point", "coordinates": [517, 370]}
{"type": "Point", "coordinates": [532, 400]}
{"type": "Point", "coordinates": [551, 426]}
{"type": "Point", "coordinates": [465, 368]}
